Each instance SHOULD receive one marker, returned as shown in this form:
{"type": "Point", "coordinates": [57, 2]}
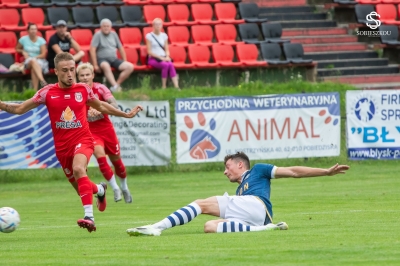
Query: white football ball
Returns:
{"type": "Point", "coordinates": [9, 220]}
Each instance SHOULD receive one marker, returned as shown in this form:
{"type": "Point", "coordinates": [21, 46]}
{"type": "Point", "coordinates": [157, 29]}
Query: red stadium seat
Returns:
{"type": "Point", "coordinates": [35, 15]}
{"type": "Point", "coordinates": [178, 36]}
{"type": "Point", "coordinates": [48, 34]}
{"type": "Point", "coordinates": [185, 1]}
{"type": "Point", "coordinates": [136, 2]}
{"type": "Point", "coordinates": [202, 34]}
{"type": "Point", "coordinates": [200, 56]}
{"type": "Point", "coordinates": [369, 2]}
{"type": "Point", "coordinates": [179, 15]}
{"type": "Point", "coordinates": [12, 4]}
{"type": "Point", "coordinates": [209, 1]}
{"type": "Point", "coordinates": [388, 14]}
{"type": "Point", "coordinates": [9, 20]}
{"type": "Point", "coordinates": [390, 1]}
{"type": "Point", "coordinates": [178, 54]}
{"type": "Point", "coordinates": [226, 13]}
{"type": "Point", "coordinates": [8, 41]}
{"type": "Point", "coordinates": [85, 58]}
{"type": "Point", "coordinates": [223, 55]}
{"type": "Point", "coordinates": [226, 34]}
{"type": "Point", "coordinates": [130, 37]}
{"type": "Point", "coordinates": [247, 54]}
{"type": "Point", "coordinates": [83, 37]}
{"type": "Point", "coordinates": [203, 14]}
{"type": "Point", "coordinates": [132, 56]}
{"type": "Point", "coordinates": [150, 12]}
{"type": "Point", "coordinates": [161, 2]}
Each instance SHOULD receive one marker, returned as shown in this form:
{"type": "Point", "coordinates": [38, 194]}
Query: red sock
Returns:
{"type": "Point", "coordinates": [120, 168]}
{"type": "Point", "coordinates": [105, 168]}
{"type": "Point", "coordinates": [94, 188]}
{"type": "Point", "coordinates": [85, 190]}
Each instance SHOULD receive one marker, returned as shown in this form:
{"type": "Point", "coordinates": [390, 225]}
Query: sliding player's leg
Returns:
{"type": "Point", "coordinates": [105, 169]}
{"type": "Point", "coordinates": [242, 214]}
{"type": "Point", "coordinates": [182, 216]}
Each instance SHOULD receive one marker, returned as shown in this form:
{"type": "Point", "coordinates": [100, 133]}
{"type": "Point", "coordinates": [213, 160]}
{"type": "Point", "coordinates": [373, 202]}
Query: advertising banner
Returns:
{"type": "Point", "coordinates": [373, 128]}
{"type": "Point", "coordinates": [26, 141]}
{"type": "Point", "coordinates": [264, 127]}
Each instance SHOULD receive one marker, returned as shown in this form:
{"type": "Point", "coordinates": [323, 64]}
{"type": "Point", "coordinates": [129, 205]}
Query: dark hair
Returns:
{"type": "Point", "coordinates": [63, 57]}
{"type": "Point", "coordinates": [239, 156]}
{"type": "Point", "coordinates": [30, 24]}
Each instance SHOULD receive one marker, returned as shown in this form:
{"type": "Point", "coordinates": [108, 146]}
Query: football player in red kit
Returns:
{"type": "Point", "coordinates": [105, 138]}
{"type": "Point", "coordinates": [66, 104]}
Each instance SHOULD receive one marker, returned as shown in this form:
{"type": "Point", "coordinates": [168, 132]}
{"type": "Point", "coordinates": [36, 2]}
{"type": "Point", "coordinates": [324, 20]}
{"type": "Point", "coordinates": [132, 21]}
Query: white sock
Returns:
{"type": "Point", "coordinates": [124, 184]}
{"type": "Point", "coordinates": [100, 191]}
{"type": "Point", "coordinates": [113, 183]}
{"type": "Point", "coordinates": [88, 211]}
{"type": "Point", "coordinates": [114, 88]}
{"type": "Point", "coordinates": [232, 227]}
{"type": "Point", "coordinates": [180, 217]}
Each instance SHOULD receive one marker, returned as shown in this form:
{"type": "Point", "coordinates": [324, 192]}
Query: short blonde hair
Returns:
{"type": "Point", "coordinates": [157, 20]}
{"type": "Point", "coordinates": [84, 66]}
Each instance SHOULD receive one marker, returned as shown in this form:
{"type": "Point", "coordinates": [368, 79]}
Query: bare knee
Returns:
{"type": "Point", "coordinates": [105, 66]}
{"type": "Point", "coordinates": [210, 227]}
{"type": "Point", "coordinates": [127, 66]}
{"type": "Point", "coordinates": [79, 171]}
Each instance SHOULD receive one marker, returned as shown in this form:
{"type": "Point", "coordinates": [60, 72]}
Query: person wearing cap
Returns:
{"type": "Point", "coordinates": [103, 53]}
{"type": "Point", "coordinates": [62, 41]}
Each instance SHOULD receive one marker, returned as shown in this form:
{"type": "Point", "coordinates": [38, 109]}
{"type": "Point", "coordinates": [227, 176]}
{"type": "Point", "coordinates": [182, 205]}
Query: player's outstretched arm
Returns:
{"type": "Point", "coordinates": [303, 171]}
{"type": "Point", "coordinates": [18, 108]}
{"type": "Point", "coordinates": [106, 108]}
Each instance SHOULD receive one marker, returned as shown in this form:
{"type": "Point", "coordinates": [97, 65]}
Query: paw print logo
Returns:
{"type": "Point", "coordinates": [203, 145]}
{"type": "Point", "coordinates": [328, 119]}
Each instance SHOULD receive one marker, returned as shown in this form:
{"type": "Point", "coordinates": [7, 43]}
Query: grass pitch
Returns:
{"type": "Point", "coordinates": [350, 219]}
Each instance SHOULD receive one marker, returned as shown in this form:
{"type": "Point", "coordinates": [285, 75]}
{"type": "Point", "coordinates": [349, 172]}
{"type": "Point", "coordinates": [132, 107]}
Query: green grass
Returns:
{"type": "Point", "coordinates": [349, 219]}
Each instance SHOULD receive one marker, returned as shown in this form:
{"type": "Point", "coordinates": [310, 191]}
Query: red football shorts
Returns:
{"type": "Point", "coordinates": [108, 141]}
{"type": "Point", "coordinates": [66, 158]}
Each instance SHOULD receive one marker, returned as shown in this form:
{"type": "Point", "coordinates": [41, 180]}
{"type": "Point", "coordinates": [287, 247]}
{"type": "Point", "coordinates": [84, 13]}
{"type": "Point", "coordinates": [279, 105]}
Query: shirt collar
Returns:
{"type": "Point", "coordinates": [244, 175]}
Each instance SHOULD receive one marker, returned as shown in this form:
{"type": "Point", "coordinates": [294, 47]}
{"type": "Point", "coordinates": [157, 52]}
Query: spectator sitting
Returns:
{"type": "Point", "coordinates": [62, 41]}
{"type": "Point", "coordinates": [33, 48]}
{"type": "Point", "coordinates": [159, 57]}
{"type": "Point", "coordinates": [103, 52]}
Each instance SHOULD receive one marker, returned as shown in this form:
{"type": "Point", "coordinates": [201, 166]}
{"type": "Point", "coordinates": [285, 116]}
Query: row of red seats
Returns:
{"type": "Point", "coordinates": [17, 4]}
{"type": "Point", "coordinates": [177, 15]}
{"type": "Point", "coordinates": [134, 38]}
{"type": "Point", "coordinates": [374, 2]}
{"type": "Point", "coordinates": [389, 14]}
{"type": "Point", "coordinates": [202, 14]}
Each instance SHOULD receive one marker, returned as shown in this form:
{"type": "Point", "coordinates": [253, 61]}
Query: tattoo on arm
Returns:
{"type": "Point", "coordinates": [113, 102]}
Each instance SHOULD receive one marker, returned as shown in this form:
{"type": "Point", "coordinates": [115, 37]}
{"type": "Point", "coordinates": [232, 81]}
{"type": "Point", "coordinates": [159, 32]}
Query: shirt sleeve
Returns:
{"type": "Point", "coordinates": [22, 41]}
{"type": "Point", "coordinates": [40, 95]}
{"type": "Point", "coordinates": [105, 92]}
{"type": "Point", "coordinates": [42, 41]}
{"type": "Point", "coordinates": [148, 37]}
{"type": "Point", "coordinates": [52, 41]}
{"type": "Point", "coordinates": [165, 37]}
{"type": "Point", "coordinates": [266, 170]}
{"type": "Point", "coordinates": [90, 93]}
{"type": "Point", "coordinates": [119, 44]}
{"type": "Point", "coordinates": [95, 40]}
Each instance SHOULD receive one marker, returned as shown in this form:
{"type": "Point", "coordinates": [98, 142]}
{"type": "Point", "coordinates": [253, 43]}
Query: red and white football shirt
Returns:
{"type": "Point", "coordinates": [68, 114]}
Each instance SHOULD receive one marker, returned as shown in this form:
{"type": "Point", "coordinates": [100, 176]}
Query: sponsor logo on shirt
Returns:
{"type": "Point", "coordinates": [68, 119]}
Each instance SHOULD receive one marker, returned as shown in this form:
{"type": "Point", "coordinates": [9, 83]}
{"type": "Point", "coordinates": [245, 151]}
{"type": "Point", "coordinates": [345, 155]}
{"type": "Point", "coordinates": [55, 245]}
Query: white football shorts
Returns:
{"type": "Point", "coordinates": [248, 210]}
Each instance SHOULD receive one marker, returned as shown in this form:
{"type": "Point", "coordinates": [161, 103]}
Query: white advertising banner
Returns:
{"type": "Point", "coordinates": [373, 128]}
{"type": "Point", "coordinates": [264, 127]}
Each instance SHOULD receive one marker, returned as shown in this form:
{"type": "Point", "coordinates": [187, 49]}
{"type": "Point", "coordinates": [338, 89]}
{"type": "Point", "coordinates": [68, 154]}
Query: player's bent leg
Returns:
{"type": "Point", "coordinates": [85, 191]}
{"type": "Point", "coordinates": [120, 171]}
{"type": "Point", "coordinates": [105, 169]}
{"type": "Point", "coordinates": [209, 206]}
{"type": "Point", "coordinates": [179, 217]}
{"type": "Point", "coordinates": [211, 226]}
